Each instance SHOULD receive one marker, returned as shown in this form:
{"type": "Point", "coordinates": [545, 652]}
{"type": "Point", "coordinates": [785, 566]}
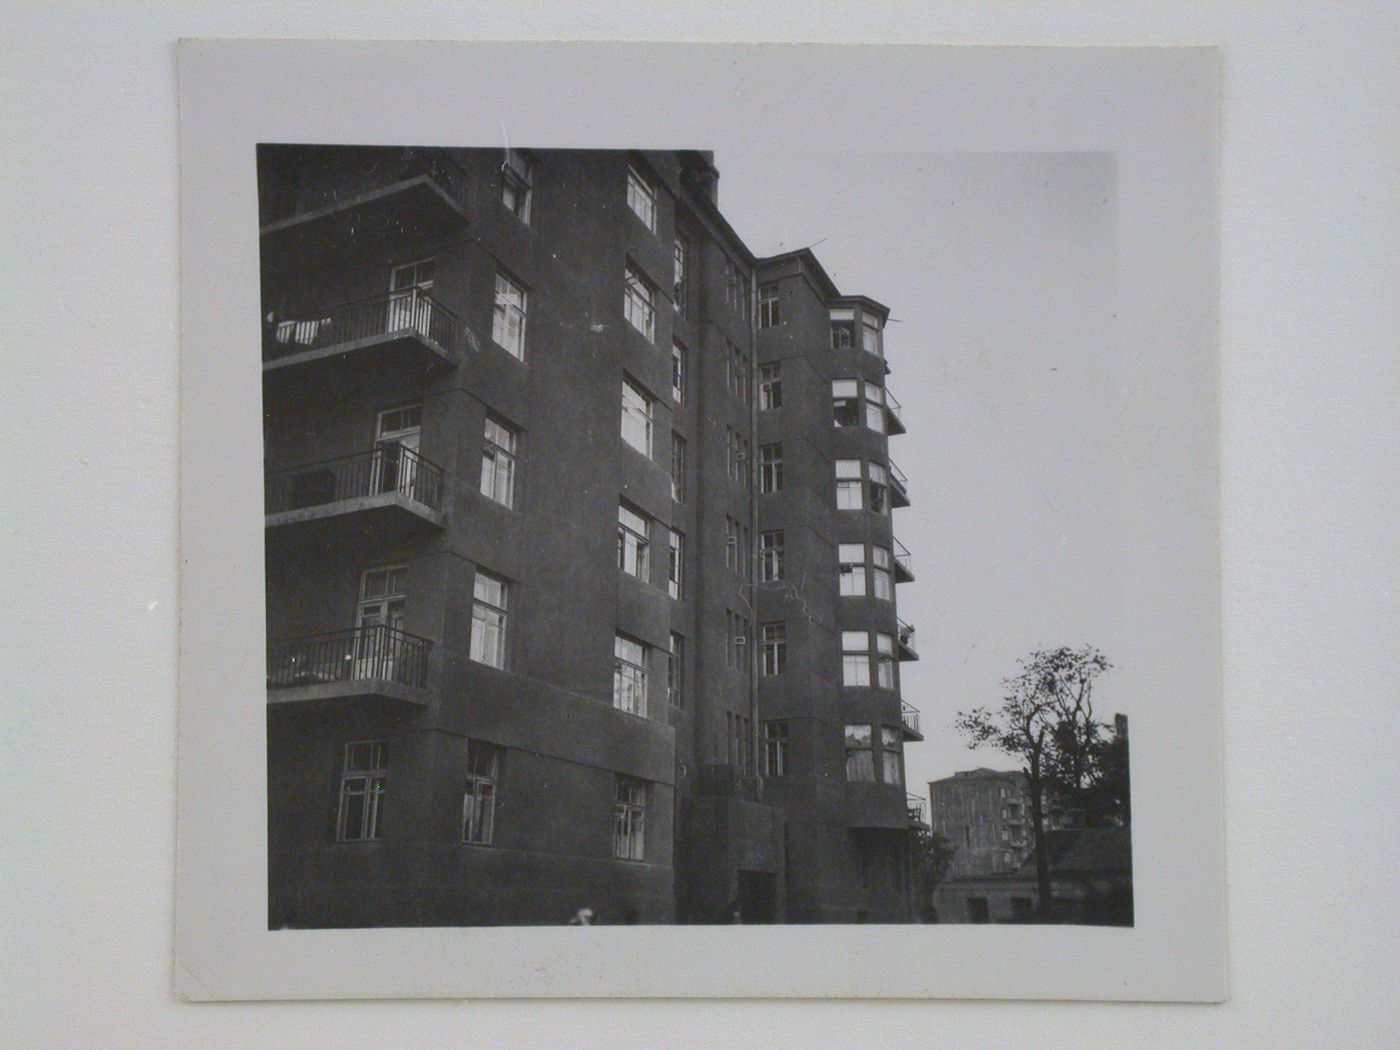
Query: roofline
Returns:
{"type": "Point", "coordinates": [812, 266]}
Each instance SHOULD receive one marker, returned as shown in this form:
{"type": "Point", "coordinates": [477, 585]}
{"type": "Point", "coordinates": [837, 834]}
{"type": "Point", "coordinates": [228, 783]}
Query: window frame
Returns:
{"type": "Point", "coordinates": [680, 263]}
{"type": "Point", "coordinates": [480, 792]}
{"type": "Point", "coordinates": [375, 777]}
{"type": "Point", "coordinates": [631, 684]}
{"type": "Point", "coordinates": [680, 464]}
{"type": "Point", "coordinates": [770, 468]}
{"type": "Point", "coordinates": [770, 386]}
{"type": "Point", "coordinates": [630, 798]}
{"type": "Point", "coordinates": [857, 572]}
{"type": "Point", "coordinates": [856, 670]}
{"type": "Point", "coordinates": [641, 191]}
{"type": "Point", "coordinates": [849, 484]}
{"type": "Point", "coordinates": [675, 670]}
{"type": "Point", "coordinates": [517, 180]}
{"type": "Point", "coordinates": [680, 366]}
{"type": "Point", "coordinates": [776, 747]}
{"type": "Point", "coordinates": [771, 555]}
{"type": "Point", "coordinates": [634, 538]}
{"type": "Point", "coordinates": [773, 640]}
{"type": "Point", "coordinates": [675, 564]}
{"type": "Point", "coordinates": [769, 305]}
{"type": "Point", "coordinates": [484, 610]}
{"type": "Point", "coordinates": [639, 297]}
{"type": "Point", "coordinates": [860, 753]}
{"type": "Point", "coordinates": [498, 461]}
{"type": "Point", "coordinates": [638, 419]}
{"type": "Point", "coordinates": [508, 329]}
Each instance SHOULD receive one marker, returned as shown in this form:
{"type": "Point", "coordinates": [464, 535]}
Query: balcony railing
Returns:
{"type": "Point", "coordinates": [411, 309]}
{"type": "Point", "coordinates": [905, 633]}
{"type": "Point", "coordinates": [374, 652]}
{"type": "Point", "coordinates": [281, 201]}
{"type": "Point", "coordinates": [384, 470]}
{"type": "Point", "coordinates": [899, 484]}
{"type": "Point", "coordinates": [895, 411]}
{"type": "Point", "coordinates": [909, 715]}
{"type": "Point", "coordinates": [916, 806]}
{"type": "Point", "coordinates": [903, 560]}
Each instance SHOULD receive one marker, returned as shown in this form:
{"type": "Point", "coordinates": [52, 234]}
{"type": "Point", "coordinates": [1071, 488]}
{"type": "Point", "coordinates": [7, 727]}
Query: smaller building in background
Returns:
{"type": "Point", "coordinates": [985, 815]}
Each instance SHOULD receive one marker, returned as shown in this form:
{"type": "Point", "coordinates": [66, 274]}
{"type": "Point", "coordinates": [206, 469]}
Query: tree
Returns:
{"type": "Point", "coordinates": [932, 855]}
{"type": "Point", "coordinates": [1046, 719]}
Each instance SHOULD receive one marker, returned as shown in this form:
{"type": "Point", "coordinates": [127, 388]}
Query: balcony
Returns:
{"type": "Point", "coordinates": [899, 487]}
{"type": "Point", "coordinates": [904, 636]}
{"type": "Point", "coordinates": [407, 334]}
{"type": "Point", "coordinates": [894, 422]}
{"type": "Point", "coordinates": [909, 717]}
{"type": "Point", "coordinates": [400, 193]}
{"type": "Point", "coordinates": [390, 485]}
{"type": "Point", "coordinates": [903, 563]}
{"type": "Point", "coordinates": [374, 662]}
{"type": "Point", "coordinates": [916, 806]}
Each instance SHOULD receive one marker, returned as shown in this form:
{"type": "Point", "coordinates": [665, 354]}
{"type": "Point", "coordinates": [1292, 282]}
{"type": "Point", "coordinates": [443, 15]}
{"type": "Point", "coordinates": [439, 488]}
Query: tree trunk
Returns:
{"type": "Point", "coordinates": [1042, 856]}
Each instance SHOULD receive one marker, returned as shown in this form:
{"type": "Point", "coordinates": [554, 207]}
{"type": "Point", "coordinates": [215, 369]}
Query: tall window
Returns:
{"type": "Point", "coordinates": [852, 573]}
{"type": "Point", "coordinates": [879, 489]}
{"type": "Point", "coordinates": [737, 733]}
{"type": "Point", "coordinates": [736, 639]}
{"type": "Point", "coordinates": [891, 759]}
{"type": "Point", "coordinates": [882, 573]}
{"type": "Point", "coordinates": [488, 645]}
{"type": "Point", "coordinates": [855, 658]}
{"type": "Point", "coordinates": [774, 649]}
{"type": "Point", "coordinates": [680, 297]}
{"type": "Point", "coordinates": [678, 370]}
{"type": "Point", "coordinates": [517, 174]}
{"type": "Point", "coordinates": [731, 543]}
{"type": "Point", "coordinates": [363, 776]}
{"type": "Point", "coordinates": [845, 402]}
{"type": "Point", "coordinates": [875, 407]}
{"type": "Point", "coordinates": [479, 793]}
{"type": "Point", "coordinates": [675, 566]}
{"type": "Point", "coordinates": [641, 198]}
{"type": "Point", "coordinates": [871, 340]}
{"type": "Point", "coordinates": [736, 292]}
{"type": "Point", "coordinates": [675, 671]}
{"type": "Point", "coordinates": [768, 306]}
{"type": "Point", "coordinates": [633, 543]}
{"type": "Point", "coordinates": [678, 467]}
{"type": "Point", "coordinates": [884, 661]}
{"type": "Point", "coordinates": [843, 329]}
{"type": "Point", "coordinates": [860, 754]}
{"type": "Point", "coordinates": [629, 818]}
{"type": "Point", "coordinates": [737, 373]}
{"type": "Point", "coordinates": [770, 468]}
{"type": "Point", "coordinates": [770, 386]}
{"type": "Point", "coordinates": [639, 302]}
{"type": "Point", "coordinates": [498, 462]}
{"type": "Point", "coordinates": [637, 413]}
{"type": "Point", "coordinates": [736, 455]}
{"type": "Point", "coordinates": [770, 556]}
{"type": "Point", "coordinates": [848, 485]}
{"type": "Point", "coordinates": [629, 675]}
{"type": "Point", "coordinates": [775, 748]}
{"type": "Point", "coordinates": [508, 316]}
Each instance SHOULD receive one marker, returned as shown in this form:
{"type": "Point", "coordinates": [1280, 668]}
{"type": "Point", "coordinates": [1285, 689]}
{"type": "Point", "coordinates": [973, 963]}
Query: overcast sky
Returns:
{"type": "Point", "coordinates": [1000, 272]}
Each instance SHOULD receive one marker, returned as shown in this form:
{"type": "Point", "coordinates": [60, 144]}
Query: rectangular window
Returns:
{"type": "Point", "coordinates": [629, 818]}
{"type": "Point", "coordinates": [881, 573]}
{"type": "Point", "coordinates": [479, 793]}
{"type": "Point", "coordinates": [875, 407]}
{"type": "Point", "coordinates": [517, 175]}
{"type": "Point", "coordinates": [498, 462]}
{"type": "Point", "coordinates": [770, 468]}
{"type": "Point", "coordinates": [678, 467]}
{"type": "Point", "coordinates": [736, 641]}
{"type": "Point", "coordinates": [884, 661]}
{"type": "Point", "coordinates": [855, 658]}
{"type": "Point", "coordinates": [879, 489]}
{"type": "Point", "coordinates": [770, 386]}
{"type": "Point", "coordinates": [736, 455]}
{"type": "Point", "coordinates": [843, 329]}
{"type": "Point", "coordinates": [678, 370]}
{"type": "Point", "coordinates": [675, 566]}
{"type": "Point", "coordinates": [639, 302]}
{"type": "Point", "coordinates": [775, 748]}
{"type": "Point", "coordinates": [845, 402]}
{"type": "Point", "coordinates": [774, 649]}
{"type": "Point", "coordinates": [891, 758]}
{"type": "Point", "coordinates": [770, 556]}
{"type": "Point", "coordinates": [675, 671]}
{"type": "Point", "coordinates": [871, 339]}
{"type": "Point", "coordinates": [488, 644]}
{"type": "Point", "coordinates": [641, 198]}
{"type": "Point", "coordinates": [629, 676]}
{"type": "Point", "coordinates": [769, 313]}
{"type": "Point", "coordinates": [682, 260]}
{"type": "Point", "coordinates": [363, 776]}
{"type": "Point", "coordinates": [508, 316]}
{"type": "Point", "coordinates": [852, 571]}
{"type": "Point", "coordinates": [637, 413]}
{"type": "Point", "coordinates": [737, 373]}
{"type": "Point", "coordinates": [736, 292]}
{"type": "Point", "coordinates": [848, 485]}
{"type": "Point", "coordinates": [633, 543]}
{"type": "Point", "coordinates": [860, 754]}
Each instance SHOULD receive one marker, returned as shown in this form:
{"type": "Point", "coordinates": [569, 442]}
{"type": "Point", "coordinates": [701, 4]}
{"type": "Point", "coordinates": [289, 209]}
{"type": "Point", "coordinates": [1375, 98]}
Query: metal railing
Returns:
{"type": "Point", "coordinates": [909, 715]}
{"type": "Point", "coordinates": [902, 557]}
{"type": "Point", "coordinates": [895, 408]}
{"type": "Point", "coordinates": [387, 468]}
{"type": "Point", "coordinates": [410, 309]}
{"type": "Point", "coordinates": [915, 804]}
{"type": "Point", "coordinates": [906, 635]}
{"type": "Point", "coordinates": [360, 653]}
{"type": "Point", "coordinates": [898, 480]}
{"type": "Point", "coordinates": [281, 201]}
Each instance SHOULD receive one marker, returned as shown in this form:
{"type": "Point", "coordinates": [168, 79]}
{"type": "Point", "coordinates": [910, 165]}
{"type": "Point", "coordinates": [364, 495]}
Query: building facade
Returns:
{"type": "Point", "coordinates": [567, 495]}
{"type": "Point", "coordinates": [985, 814]}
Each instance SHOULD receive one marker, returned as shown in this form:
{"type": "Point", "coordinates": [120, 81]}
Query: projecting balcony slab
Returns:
{"type": "Point", "coordinates": [357, 689]}
{"type": "Point", "coordinates": [373, 662]}
{"type": "Point", "coordinates": [390, 487]}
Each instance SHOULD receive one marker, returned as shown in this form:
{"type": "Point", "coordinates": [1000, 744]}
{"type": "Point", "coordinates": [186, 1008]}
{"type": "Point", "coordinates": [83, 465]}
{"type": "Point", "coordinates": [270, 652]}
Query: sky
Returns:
{"type": "Point", "coordinates": [1000, 272]}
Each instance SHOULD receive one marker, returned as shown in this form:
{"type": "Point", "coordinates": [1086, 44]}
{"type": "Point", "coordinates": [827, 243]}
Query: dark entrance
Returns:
{"type": "Point", "coordinates": [758, 896]}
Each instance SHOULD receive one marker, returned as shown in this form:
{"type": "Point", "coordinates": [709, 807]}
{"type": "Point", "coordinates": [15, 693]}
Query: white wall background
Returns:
{"type": "Point", "coordinates": [1311, 380]}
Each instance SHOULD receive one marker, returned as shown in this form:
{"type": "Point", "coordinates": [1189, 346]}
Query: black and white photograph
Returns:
{"type": "Point", "coordinates": [588, 595]}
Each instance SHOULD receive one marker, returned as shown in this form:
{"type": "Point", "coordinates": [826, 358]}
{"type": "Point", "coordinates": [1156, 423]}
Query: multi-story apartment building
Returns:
{"type": "Point", "coordinates": [985, 815]}
{"type": "Point", "coordinates": [580, 565]}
